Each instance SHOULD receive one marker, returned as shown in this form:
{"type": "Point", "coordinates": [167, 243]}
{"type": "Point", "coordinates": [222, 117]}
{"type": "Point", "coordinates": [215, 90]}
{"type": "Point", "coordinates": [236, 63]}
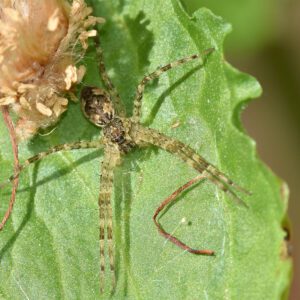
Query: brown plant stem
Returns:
{"type": "Point", "coordinates": [12, 134]}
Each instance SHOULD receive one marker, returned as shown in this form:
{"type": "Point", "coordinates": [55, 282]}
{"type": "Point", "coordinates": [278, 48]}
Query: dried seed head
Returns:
{"type": "Point", "coordinates": [41, 42]}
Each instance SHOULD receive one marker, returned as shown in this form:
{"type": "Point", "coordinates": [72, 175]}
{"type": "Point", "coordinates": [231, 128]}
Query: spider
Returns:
{"type": "Point", "coordinates": [120, 135]}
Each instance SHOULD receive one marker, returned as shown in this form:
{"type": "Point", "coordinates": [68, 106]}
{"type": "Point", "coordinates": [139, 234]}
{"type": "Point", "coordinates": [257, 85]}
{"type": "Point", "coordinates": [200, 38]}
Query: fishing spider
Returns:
{"type": "Point", "coordinates": [120, 135]}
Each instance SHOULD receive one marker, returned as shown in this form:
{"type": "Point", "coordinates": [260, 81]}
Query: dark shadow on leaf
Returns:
{"type": "Point", "coordinates": [142, 38]}
{"type": "Point", "coordinates": [166, 93]}
{"type": "Point", "coordinates": [123, 201]}
{"type": "Point", "coordinates": [121, 6]}
{"type": "Point", "coordinates": [118, 199]}
{"type": "Point", "coordinates": [127, 192]}
{"type": "Point", "coordinates": [123, 206]}
{"type": "Point", "coordinates": [123, 197]}
{"type": "Point", "coordinates": [28, 215]}
{"type": "Point", "coordinates": [65, 170]}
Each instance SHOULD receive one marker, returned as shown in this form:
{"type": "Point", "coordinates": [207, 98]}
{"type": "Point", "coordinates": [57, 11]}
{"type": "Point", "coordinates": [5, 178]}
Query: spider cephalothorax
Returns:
{"type": "Point", "coordinates": [117, 131]}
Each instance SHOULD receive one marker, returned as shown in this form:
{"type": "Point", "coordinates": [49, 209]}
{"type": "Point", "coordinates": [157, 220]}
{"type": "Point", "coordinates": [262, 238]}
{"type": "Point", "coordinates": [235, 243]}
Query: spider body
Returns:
{"type": "Point", "coordinates": [121, 134]}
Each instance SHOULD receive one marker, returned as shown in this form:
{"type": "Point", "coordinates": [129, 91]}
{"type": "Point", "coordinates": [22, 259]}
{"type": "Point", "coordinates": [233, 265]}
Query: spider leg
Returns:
{"type": "Point", "coordinates": [105, 214]}
{"type": "Point", "coordinates": [41, 155]}
{"type": "Point", "coordinates": [141, 87]}
{"type": "Point", "coordinates": [225, 179]}
{"type": "Point", "coordinates": [188, 155]}
{"type": "Point", "coordinates": [118, 104]}
{"type": "Point", "coordinates": [13, 138]}
{"type": "Point", "coordinates": [169, 236]}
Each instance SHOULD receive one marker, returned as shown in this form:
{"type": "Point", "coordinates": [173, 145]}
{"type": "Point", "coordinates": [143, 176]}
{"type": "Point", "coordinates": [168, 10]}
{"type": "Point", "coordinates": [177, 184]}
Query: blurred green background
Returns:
{"type": "Point", "coordinates": [265, 42]}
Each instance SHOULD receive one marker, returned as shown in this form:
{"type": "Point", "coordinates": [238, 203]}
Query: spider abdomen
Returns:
{"type": "Point", "coordinates": [97, 106]}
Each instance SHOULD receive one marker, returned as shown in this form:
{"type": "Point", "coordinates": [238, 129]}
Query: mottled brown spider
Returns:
{"type": "Point", "coordinates": [120, 135]}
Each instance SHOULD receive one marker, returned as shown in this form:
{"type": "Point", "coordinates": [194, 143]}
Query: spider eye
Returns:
{"type": "Point", "coordinates": [97, 106]}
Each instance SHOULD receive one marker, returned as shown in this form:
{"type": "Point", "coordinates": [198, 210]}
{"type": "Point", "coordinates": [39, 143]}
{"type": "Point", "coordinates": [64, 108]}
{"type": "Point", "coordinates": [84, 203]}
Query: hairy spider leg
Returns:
{"type": "Point", "coordinates": [110, 161]}
{"type": "Point", "coordinates": [141, 87]}
{"type": "Point", "coordinates": [227, 180]}
{"type": "Point", "coordinates": [111, 89]}
{"type": "Point", "coordinates": [13, 138]}
{"type": "Point", "coordinates": [212, 173]}
{"type": "Point", "coordinates": [169, 236]}
{"type": "Point", "coordinates": [188, 155]}
{"type": "Point", "coordinates": [41, 155]}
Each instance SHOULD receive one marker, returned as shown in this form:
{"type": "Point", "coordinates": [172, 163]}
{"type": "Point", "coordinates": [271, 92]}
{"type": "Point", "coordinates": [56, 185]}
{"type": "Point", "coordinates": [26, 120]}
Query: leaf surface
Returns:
{"type": "Point", "coordinates": [50, 247]}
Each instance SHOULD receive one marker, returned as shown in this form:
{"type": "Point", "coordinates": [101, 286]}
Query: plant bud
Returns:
{"type": "Point", "coordinates": [41, 42]}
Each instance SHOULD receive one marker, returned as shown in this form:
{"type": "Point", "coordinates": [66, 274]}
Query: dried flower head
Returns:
{"type": "Point", "coordinates": [41, 42]}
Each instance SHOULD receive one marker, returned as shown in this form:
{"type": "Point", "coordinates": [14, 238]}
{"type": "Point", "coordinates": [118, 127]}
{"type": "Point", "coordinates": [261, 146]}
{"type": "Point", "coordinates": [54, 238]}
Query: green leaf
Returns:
{"type": "Point", "coordinates": [255, 22]}
{"type": "Point", "coordinates": [50, 247]}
